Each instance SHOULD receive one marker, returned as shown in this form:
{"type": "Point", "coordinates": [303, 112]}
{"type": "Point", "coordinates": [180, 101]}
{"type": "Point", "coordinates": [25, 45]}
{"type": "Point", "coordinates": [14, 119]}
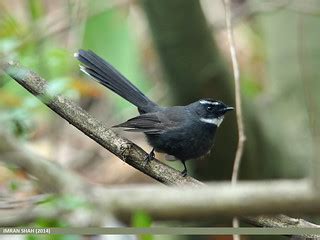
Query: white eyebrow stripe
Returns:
{"type": "Point", "coordinates": [215, 121]}
{"type": "Point", "coordinates": [208, 102]}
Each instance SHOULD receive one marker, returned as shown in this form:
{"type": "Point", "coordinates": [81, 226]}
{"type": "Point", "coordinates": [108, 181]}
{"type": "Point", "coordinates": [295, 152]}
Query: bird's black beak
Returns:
{"type": "Point", "coordinates": [226, 109]}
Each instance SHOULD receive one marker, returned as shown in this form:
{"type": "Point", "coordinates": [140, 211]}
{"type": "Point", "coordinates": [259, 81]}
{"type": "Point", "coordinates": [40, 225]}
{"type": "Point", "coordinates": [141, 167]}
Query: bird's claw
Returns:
{"type": "Point", "coordinates": [184, 173]}
{"type": "Point", "coordinates": [149, 157]}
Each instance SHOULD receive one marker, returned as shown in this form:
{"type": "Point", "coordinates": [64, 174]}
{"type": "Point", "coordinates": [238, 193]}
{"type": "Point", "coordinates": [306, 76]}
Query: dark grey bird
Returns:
{"type": "Point", "coordinates": [185, 132]}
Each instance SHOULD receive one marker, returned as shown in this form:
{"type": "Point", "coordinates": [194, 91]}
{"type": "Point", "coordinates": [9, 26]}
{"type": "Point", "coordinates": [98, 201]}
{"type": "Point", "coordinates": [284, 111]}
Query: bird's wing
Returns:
{"type": "Point", "coordinates": [148, 123]}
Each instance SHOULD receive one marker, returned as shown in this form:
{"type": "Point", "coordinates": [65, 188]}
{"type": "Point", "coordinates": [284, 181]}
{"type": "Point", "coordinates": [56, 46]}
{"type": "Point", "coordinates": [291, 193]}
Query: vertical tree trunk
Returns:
{"type": "Point", "coordinates": [194, 70]}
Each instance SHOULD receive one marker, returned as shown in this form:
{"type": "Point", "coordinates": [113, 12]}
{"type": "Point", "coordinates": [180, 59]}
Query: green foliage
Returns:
{"type": "Point", "coordinates": [250, 87]}
{"type": "Point", "coordinates": [109, 35]}
{"type": "Point", "coordinates": [52, 237]}
{"type": "Point", "coordinates": [10, 29]}
{"type": "Point", "coordinates": [142, 219]}
{"type": "Point", "coordinates": [35, 9]}
{"type": "Point", "coordinates": [60, 61]}
{"type": "Point", "coordinates": [14, 185]}
{"type": "Point", "coordinates": [66, 202]}
{"type": "Point", "coordinates": [56, 202]}
{"type": "Point", "coordinates": [46, 223]}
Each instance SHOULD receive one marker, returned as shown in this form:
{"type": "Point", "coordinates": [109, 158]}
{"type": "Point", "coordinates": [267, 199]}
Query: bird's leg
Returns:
{"type": "Point", "coordinates": [149, 156]}
{"type": "Point", "coordinates": [185, 171]}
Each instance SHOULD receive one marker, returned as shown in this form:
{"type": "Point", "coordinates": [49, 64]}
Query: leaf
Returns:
{"type": "Point", "coordinates": [35, 9]}
{"type": "Point", "coordinates": [142, 219]}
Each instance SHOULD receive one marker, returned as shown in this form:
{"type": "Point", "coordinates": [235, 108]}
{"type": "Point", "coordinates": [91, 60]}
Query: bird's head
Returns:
{"type": "Point", "coordinates": [211, 111]}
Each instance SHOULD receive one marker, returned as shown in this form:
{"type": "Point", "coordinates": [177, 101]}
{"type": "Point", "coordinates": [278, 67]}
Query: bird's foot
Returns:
{"type": "Point", "coordinates": [184, 173]}
{"type": "Point", "coordinates": [149, 157]}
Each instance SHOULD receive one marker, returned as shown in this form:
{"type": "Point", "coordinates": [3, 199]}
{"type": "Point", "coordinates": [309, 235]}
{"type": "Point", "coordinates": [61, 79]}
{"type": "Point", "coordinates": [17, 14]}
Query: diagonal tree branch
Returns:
{"type": "Point", "coordinates": [121, 147]}
{"type": "Point", "coordinates": [218, 199]}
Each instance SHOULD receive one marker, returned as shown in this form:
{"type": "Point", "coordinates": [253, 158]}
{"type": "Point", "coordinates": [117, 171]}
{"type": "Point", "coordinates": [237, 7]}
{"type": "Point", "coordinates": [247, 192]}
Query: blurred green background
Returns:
{"type": "Point", "coordinates": [176, 52]}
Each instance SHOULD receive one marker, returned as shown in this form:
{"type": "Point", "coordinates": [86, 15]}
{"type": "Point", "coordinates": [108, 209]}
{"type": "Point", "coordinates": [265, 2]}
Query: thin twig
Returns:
{"type": "Point", "coordinates": [236, 73]}
{"type": "Point", "coordinates": [248, 10]}
{"type": "Point", "coordinates": [9, 203]}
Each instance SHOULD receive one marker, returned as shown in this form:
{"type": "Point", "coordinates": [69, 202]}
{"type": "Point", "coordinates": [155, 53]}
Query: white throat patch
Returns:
{"type": "Point", "coordinates": [215, 121]}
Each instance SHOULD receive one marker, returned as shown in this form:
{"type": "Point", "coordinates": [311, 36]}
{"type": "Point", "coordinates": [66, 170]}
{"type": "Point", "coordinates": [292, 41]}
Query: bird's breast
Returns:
{"type": "Point", "coordinates": [185, 142]}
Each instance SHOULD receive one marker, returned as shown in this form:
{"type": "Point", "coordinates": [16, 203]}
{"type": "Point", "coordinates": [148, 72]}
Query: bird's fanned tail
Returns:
{"type": "Point", "coordinates": [107, 75]}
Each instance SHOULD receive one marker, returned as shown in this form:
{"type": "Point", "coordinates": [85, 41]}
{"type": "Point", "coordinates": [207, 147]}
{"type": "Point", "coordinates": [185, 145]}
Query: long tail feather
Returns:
{"type": "Point", "coordinates": [104, 73]}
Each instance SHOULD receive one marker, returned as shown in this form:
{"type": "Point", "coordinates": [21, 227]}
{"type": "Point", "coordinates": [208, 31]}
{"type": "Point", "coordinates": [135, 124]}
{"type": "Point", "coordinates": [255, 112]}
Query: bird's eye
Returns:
{"type": "Point", "coordinates": [209, 108]}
